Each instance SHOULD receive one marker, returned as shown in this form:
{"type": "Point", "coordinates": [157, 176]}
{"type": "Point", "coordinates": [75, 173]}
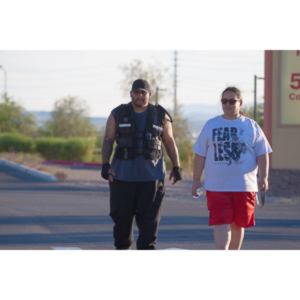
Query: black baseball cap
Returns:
{"type": "Point", "coordinates": [140, 84]}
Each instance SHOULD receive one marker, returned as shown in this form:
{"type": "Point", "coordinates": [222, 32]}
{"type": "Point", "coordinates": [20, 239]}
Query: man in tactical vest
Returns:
{"type": "Point", "coordinates": [137, 171]}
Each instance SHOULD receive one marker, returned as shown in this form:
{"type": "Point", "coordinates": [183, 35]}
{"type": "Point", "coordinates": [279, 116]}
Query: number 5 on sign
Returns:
{"type": "Point", "coordinates": [295, 78]}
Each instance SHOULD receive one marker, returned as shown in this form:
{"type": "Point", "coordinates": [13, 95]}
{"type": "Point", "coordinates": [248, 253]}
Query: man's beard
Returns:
{"type": "Point", "coordinates": [139, 103]}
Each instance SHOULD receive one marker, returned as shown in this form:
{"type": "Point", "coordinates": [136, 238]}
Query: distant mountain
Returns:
{"type": "Point", "coordinates": [42, 116]}
{"type": "Point", "coordinates": [99, 121]}
{"type": "Point", "coordinates": [196, 114]}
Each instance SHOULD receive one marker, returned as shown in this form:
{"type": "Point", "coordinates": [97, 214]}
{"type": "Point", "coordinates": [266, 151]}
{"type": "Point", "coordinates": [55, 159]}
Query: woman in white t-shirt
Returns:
{"type": "Point", "coordinates": [229, 149]}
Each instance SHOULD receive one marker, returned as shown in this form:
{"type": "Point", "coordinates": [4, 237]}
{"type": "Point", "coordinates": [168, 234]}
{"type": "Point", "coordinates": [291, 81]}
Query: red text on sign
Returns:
{"type": "Point", "coordinates": [295, 79]}
{"type": "Point", "coordinates": [294, 96]}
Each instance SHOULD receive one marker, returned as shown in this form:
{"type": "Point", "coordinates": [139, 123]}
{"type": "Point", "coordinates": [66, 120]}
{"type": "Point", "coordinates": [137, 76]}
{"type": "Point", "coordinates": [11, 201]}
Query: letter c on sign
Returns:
{"type": "Point", "coordinates": [291, 95]}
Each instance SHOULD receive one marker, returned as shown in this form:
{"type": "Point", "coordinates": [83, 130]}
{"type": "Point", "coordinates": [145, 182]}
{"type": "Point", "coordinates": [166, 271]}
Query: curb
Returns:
{"type": "Point", "coordinates": [32, 172]}
{"type": "Point", "coordinates": [71, 163]}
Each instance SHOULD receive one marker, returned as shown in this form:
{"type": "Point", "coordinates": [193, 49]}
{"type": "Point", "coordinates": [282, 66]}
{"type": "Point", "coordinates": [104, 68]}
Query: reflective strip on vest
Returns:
{"type": "Point", "coordinates": [157, 127]}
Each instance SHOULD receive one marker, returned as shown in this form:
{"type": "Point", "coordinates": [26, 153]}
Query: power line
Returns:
{"type": "Point", "coordinates": [222, 53]}
{"type": "Point", "coordinates": [175, 82]}
{"type": "Point", "coordinates": [219, 67]}
{"type": "Point", "coordinates": [220, 63]}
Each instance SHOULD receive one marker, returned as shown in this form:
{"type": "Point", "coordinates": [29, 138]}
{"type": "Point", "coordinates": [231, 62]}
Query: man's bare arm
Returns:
{"type": "Point", "coordinates": [169, 143]}
{"type": "Point", "coordinates": [172, 151]}
{"type": "Point", "coordinates": [109, 138]}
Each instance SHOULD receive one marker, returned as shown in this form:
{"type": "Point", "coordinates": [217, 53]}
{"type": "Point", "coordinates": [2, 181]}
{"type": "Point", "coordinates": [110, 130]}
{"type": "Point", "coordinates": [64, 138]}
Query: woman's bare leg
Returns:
{"type": "Point", "coordinates": [222, 236]}
{"type": "Point", "coordinates": [237, 236]}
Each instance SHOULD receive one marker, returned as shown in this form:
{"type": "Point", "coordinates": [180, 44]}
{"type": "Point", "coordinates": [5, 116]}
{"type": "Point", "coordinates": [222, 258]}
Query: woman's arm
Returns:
{"type": "Point", "coordinates": [199, 163]}
{"type": "Point", "coordinates": [263, 168]}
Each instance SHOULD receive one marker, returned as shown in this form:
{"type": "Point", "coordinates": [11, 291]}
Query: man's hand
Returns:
{"type": "Point", "coordinates": [196, 184]}
{"type": "Point", "coordinates": [176, 174]}
{"type": "Point", "coordinates": [107, 172]}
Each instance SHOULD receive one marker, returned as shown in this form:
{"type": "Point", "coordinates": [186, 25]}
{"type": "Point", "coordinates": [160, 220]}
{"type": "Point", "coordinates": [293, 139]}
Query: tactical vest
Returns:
{"type": "Point", "coordinates": [128, 133]}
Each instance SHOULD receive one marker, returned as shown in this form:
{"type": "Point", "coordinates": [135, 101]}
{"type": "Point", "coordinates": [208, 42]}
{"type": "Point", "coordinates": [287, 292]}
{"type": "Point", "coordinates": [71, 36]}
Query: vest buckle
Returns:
{"type": "Point", "coordinates": [148, 136]}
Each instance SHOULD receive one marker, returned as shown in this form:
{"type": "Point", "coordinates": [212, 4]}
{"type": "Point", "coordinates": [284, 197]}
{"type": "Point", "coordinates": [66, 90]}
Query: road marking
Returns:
{"type": "Point", "coordinates": [66, 248]}
{"type": "Point", "coordinates": [174, 249]}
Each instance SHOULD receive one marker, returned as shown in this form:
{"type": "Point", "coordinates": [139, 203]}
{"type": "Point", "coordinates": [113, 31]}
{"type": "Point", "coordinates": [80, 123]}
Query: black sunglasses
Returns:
{"type": "Point", "coordinates": [231, 101]}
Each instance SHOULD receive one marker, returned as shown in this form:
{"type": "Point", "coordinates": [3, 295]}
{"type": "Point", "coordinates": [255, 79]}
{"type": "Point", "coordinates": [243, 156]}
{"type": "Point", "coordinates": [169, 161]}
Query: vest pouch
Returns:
{"type": "Point", "coordinates": [125, 154]}
{"type": "Point", "coordinates": [156, 130]}
{"type": "Point", "coordinates": [125, 128]}
{"type": "Point", "coordinates": [154, 144]}
{"type": "Point", "coordinates": [125, 142]}
{"type": "Point", "coordinates": [153, 154]}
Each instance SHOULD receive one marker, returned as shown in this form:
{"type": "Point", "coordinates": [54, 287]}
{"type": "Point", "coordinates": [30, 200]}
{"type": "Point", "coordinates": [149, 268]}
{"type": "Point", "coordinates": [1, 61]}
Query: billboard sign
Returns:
{"type": "Point", "coordinates": [290, 87]}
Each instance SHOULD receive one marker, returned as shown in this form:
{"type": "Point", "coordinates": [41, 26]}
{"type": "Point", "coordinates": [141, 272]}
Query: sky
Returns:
{"type": "Point", "coordinates": [37, 78]}
{"type": "Point", "coordinates": [69, 49]}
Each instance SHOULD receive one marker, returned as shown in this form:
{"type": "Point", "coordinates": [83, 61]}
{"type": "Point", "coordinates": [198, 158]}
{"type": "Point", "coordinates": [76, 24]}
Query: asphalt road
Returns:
{"type": "Point", "coordinates": [37, 215]}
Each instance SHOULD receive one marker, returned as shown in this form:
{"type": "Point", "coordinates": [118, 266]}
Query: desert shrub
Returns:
{"type": "Point", "coordinates": [78, 149]}
{"type": "Point", "coordinates": [74, 149]}
{"type": "Point", "coordinates": [13, 142]}
{"type": "Point", "coordinates": [50, 148]}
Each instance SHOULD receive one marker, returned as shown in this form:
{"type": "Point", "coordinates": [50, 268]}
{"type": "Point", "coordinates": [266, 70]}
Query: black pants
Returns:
{"type": "Point", "coordinates": [136, 200]}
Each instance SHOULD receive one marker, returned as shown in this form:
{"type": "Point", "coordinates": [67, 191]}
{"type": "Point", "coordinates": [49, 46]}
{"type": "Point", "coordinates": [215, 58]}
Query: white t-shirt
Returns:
{"type": "Point", "coordinates": [231, 148]}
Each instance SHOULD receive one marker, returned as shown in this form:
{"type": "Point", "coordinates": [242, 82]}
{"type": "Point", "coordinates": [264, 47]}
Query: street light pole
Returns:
{"type": "Point", "coordinates": [5, 79]}
{"type": "Point", "coordinates": [156, 95]}
{"type": "Point", "coordinates": [175, 84]}
{"type": "Point", "coordinates": [254, 109]}
{"type": "Point", "coordinates": [255, 106]}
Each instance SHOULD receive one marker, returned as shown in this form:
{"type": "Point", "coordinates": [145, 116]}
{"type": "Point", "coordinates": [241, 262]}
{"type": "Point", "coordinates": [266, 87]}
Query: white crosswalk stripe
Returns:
{"type": "Point", "coordinates": [174, 249]}
{"type": "Point", "coordinates": [66, 248]}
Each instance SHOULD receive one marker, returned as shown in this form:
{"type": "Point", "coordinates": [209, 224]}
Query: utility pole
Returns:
{"type": "Point", "coordinates": [156, 95]}
{"type": "Point", "coordinates": [5, 80]}
{"type": "Point", "coordinates": [255, 106]}
{"type": "Point", "coordinates": [175, 84]}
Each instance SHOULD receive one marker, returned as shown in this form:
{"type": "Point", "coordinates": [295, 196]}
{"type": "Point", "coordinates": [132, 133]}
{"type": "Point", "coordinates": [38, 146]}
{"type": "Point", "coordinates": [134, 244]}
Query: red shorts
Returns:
{"type": "Point", "coordinates": [228, 207]}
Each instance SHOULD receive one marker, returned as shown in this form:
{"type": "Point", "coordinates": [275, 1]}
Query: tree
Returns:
{"type": "Point", "coordinates": [152, 73]}
{"type": "Point", "coordinates": [181, 130]}
{"type": "Point", "coordinates": [155, 76]}
{"type": "Point", "coordinates": [259, 113]}
{"type": "Point", "coordinates": [69, 119]}
{"type": "Point", "coordinates": [14, 119]}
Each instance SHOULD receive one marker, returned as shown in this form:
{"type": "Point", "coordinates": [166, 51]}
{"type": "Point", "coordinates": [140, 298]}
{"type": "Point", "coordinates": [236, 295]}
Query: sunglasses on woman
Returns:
{"type": "Point", "coordinates": [231, 101]}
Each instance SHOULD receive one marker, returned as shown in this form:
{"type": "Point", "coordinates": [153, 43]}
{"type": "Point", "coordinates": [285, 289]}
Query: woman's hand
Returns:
{"type": "Point", "coordinates": [196, 185]}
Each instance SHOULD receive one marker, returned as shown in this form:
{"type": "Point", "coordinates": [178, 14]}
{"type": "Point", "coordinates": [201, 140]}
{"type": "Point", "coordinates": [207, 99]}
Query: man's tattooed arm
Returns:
{"type": "Point", "coordinates": [109, 138]}
{"type": "Point", "coordinates": [169, 142]}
